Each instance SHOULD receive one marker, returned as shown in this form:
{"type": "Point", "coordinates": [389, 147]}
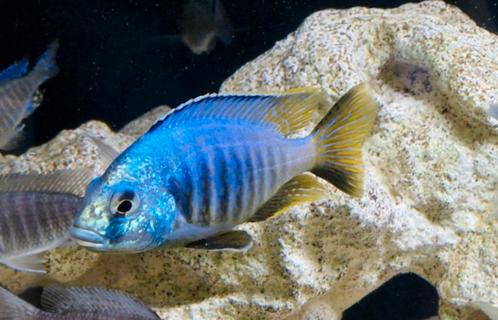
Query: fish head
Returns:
{"type": "Point", "coordinates": [125, 214]}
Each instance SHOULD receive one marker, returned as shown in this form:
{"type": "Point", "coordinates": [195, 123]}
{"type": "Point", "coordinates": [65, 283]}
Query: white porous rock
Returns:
{"type": "Point", "coordinates": [431, 174]}
{"type": "Point", "coordinates": [431, 162]}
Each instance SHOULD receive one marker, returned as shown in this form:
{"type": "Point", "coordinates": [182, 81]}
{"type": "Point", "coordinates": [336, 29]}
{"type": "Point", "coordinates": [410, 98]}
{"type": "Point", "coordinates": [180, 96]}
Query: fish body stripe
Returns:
{"type": "Point", "coordinates": [225, 177]}
{"type": "Point", "coordinates": [30, 220]}
{"type": "Point", "coordinates": [14, 98]}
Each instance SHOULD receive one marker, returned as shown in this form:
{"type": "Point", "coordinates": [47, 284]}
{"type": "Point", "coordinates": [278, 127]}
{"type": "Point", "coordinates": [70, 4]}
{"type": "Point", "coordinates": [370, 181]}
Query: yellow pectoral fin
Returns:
{"type": "Point", "coordinates": [301, 189]}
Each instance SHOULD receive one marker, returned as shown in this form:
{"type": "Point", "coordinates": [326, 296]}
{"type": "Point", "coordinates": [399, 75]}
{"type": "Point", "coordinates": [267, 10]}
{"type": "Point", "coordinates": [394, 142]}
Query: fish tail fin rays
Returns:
{"type": "Point", "coordinates": [13, 307]}
{"type": "Point", "coordinates": [339, 138]}
{"type": "Point", "coordinates": [15, 71]}
{"type": "Point", "coordinates": [46, 65]}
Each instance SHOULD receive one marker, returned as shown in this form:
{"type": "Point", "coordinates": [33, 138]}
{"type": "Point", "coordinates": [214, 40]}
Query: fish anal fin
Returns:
{"type": "Point", "coordinates": [27, 263]}
{"type": "Point", "coordinates": [233, 240]}
{"type": "Point", "coordinates": [301, 189]}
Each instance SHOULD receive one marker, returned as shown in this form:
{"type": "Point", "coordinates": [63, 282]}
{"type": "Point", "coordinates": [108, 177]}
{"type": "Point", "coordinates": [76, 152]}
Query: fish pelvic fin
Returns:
{"type": "Point", "coordinates": [46, 66]}
{"type": "Point", "coordinates": [287, 113]}
{"type": "Point", "coordinates": [229, 241]}
{"type": "Point", "coordinates": [301, 189]}
{"type": "Point", "coordinates": [34, 263]}
{"type": "Point", "coordinates": [13, 307]}
{"type": "Point", "coordinates": [339, 138]}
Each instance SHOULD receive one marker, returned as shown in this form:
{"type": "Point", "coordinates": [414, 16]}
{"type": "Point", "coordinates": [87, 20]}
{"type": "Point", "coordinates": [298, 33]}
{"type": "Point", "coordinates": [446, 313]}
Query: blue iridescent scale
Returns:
{"type": "Point", "coordinates": [222, 172]}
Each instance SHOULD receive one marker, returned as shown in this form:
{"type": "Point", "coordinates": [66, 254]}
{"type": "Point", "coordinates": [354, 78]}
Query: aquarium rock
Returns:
{"type": "Point", "coordinates": [431, 174]}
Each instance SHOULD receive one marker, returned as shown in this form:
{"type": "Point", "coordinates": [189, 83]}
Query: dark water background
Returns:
{"type": "Point", "coordinates": [113, 68]}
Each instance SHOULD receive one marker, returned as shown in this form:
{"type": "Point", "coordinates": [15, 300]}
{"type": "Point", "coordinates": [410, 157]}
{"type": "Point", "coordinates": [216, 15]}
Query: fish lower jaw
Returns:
{"type": "Point", "coordinates": [89, 245]}
{"type": "Point", "coordinates": [88, 238]}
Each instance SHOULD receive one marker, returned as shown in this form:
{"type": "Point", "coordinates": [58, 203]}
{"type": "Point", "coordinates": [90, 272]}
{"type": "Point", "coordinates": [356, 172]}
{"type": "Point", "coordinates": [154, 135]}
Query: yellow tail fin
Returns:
{"type": "Point", "coordinates": [340, 136]}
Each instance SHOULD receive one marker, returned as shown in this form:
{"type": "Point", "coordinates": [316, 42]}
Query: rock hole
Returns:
{"type": "Point", "coordinates": [406, 76]}
{"type": "Point", "coordinates": [32, 295]}
{"type": "Point", "coordinates": [405, 296]}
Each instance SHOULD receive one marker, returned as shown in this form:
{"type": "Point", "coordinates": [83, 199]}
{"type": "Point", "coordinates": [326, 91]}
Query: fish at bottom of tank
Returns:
{"type": "Point", "coordinates": [74, 303]}
{"type": "Point", "coordinates": [218, 161]}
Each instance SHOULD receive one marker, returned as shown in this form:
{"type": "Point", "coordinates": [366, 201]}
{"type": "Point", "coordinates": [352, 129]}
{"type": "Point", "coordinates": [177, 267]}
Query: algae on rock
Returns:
{"type": "Point", "coordinates": [431, 172]}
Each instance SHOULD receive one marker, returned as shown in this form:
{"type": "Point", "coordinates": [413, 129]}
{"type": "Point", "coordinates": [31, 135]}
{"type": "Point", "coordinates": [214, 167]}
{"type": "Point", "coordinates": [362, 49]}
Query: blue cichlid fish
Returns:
{"type": "Point", "coordinates": [18, 89]}
{"type": "Point", "coordinates": [57, 303]}
{"type": "Point", "coordinates": [221, 160]}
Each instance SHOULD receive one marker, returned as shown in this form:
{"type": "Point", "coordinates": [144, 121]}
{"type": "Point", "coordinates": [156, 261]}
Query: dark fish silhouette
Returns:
{"type": "Point", "coordinates": [202, 22]}
{"type": "Point", "coordinates": [18, 90]}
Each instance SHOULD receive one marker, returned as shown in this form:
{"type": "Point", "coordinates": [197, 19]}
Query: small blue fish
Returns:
{"type": "Point", "coordinates": [58, 303]}
{"type": "Point", "coordinates": [18, 89]}
{"type": "Point", "coordinates": [221, 160]}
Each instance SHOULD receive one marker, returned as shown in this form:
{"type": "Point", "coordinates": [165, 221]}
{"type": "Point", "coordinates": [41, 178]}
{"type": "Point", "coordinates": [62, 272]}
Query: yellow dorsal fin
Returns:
{"type": "Point", "coordinates": [301, 189]}
{"type": "Point", "coordinates": [287, 112]}
{"type": "Point", "coordinates": [296, 109]}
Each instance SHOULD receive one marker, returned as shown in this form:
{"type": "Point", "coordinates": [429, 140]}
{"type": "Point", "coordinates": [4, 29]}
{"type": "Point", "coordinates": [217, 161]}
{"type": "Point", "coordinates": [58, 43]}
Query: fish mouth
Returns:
{"type": "Point", "coordinates": [87, 238]}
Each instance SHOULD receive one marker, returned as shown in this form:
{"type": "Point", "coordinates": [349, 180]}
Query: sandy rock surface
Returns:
{"type": "Point", "coordinates": [431, 174]}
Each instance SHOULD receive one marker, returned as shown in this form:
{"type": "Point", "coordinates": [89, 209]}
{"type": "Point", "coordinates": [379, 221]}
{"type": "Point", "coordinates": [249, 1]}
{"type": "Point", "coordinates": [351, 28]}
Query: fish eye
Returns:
{"type": "Point", "coordinates": [124, 203]}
